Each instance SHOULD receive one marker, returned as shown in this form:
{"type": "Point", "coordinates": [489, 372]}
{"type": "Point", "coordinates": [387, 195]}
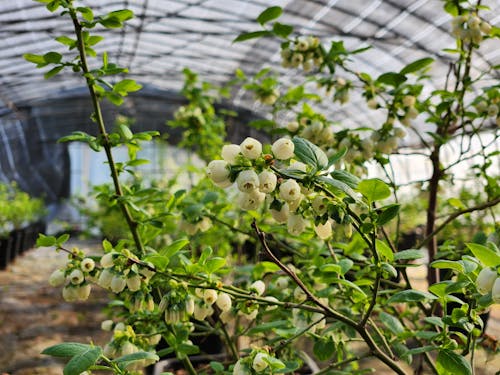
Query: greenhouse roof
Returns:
{"type": "Point", "coordinates": [167, 35]}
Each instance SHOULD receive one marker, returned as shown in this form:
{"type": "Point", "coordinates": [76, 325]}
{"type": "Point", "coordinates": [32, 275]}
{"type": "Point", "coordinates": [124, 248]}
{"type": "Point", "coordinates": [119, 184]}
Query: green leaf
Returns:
{"type": "Point", "coordinates": [52, 72]}
{"type": "Point", "coordinates": [252, 35]}
{"type": "Point", "coordinates": [450, 363]}
{"type": "Point", "coordinates": [324, 348]}
{"type": "Point", "coordinates": [174, 247]}
{"type": "Point", "coordinates": [392, 323]}
{"type": "Point", "coordinates": [330, 268]}
{"type": "Point", "coordinates": [111, 23]}
{"type": "Point", "coordinates": [411, 296]}
{"type": "Point", "coordinates": [94, 39]}
{"type": "Point", "coordinates": [346, 178]}
{"type": "Point", "coordinates": [268, 326]}
{"type": "Point", "coordinates": [66, 41]}
{"type": "Point", "coordinates": [384, 250]}
{"type": "Point", "coordinates": [159, 261]}
{"type": "Point", "coordinates": [46, 241]}
{"type": "Point", "coordinates": [52, 57]}
{"type": "Point", "coordinates": [122, 15]}
{"type": "Point", "coordinates": [374, 189]}
{"type": "Point", "coordinates": [391, 79]}
{"type": "Point", "coordinates": [417, 65]}
{"type": "Point", "coordinates": [125, 86]}
{"type": "Point", "coordinates": [36, 59]}
{"type": "Point", "coordinates": [214, 264]}
{"type": "Point", "coordinates": [309, 153]}
{"type": "Point", "coordinates": [262, 124]}
{"type": "Point", "coordinates": [337, 156]}
{"type": "Point", "coordinates": [487, 256]}
{"type": "Point", "coordinates": [439, 289]}
{"type": "Point", "coordinates": [83, 361]}
{"type": "Point", "coordinates": [269, 14]}
{"type": "Point", "coordinates": [339, 186]}
{"type": "Point", "coordinates": [387, 213]}
{"type": "Point", "coordinates": [66, 349]}
{"type": "Point", "coordinates": [86, 13]}
{"type": "Point", "coordinates": [282, 30]}
{"type": "Point", "coordinates": [126, 360]}
{"type": "Point", "coordinates": [409, 254]}
{"type": "Point", "coordinates": [448, 264]}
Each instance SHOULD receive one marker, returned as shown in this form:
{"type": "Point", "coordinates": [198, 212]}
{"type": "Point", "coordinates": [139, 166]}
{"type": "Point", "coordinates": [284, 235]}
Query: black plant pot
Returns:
{"type": "Point", "coordinates": [6, 247]}
{"type": "Point", "coordinates": [18, 238]}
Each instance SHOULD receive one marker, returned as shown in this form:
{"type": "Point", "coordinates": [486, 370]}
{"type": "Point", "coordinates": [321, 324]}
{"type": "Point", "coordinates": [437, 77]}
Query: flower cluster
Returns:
{"type": "Point", "coordinates": [470, 28]}
{"type": "Point", "coordinates": [75, 277]}
{"type": "Point", "coordinates": [488, 281]}
{"type": "Point", "coordinates": [258, 361]}
{"type": "Point", "coordinates": [305, 52]}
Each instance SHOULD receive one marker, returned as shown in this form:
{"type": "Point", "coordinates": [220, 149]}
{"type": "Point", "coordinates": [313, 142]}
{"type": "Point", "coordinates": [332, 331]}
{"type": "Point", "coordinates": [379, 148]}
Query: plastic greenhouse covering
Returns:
{"type": "Point", "coordinates": [167, 35]}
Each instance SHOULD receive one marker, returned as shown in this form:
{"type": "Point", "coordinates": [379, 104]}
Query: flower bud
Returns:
{"type": "Point", "coordinates": [409, 101]}
{"type": "Point", "coordinates": [190, 306]}
{"type": "Point", "coordinates": [134, 283]}
{"type": "Point", "coordinates": [240, 369]}
{"type": "Point", "coordinates": [204, 224]}
{"type": "Point", "coordinates": [399, 132]}
{"type": "Point", "coordinates": [128, 348]}
{"type": "Point", "coordinates": [259, 364]}
{"type": "Point", "coordinates": [251, 201]}
{"type": "Point", "coordinates": [57, 278]}
{"type": "Point", "coordinates": [224, 302]}
{"type": "Point", "coordinates": [258, 287]}
{"type": "Point", "coordinates": [107, 325]}
{"type": "Point", "coordinates": [218, 171]}
{"type": "Point", "coordinates": [87, 265]}
{"type": "Point", "coordinates": [117, 284]}
{"type": "Point", "coordinates": [120, 327]}
{"type": "Point", "coordinates": [76, 277]}
{"type": "Point", "coordinates": [107, 260]}
{"type": "Point", "coordinates": [155, 339]}
{"type": "Point", "coordinates": [210, 296]}
{"type": "Point", "coordinates": [283, 149]}
{"type": "Point", "coordinates": [296, 224]}
{"type": "Point", "coordinates": [485, 280]}
{"type": "Point", "coordinates": [290, 190]}
{"type": "Point", "coordinates": [495, 291]}
{"type": "Point", "coordinates": [272, 301]}
{"type": "Point", "coordinates": [230, 152]}
{"type": "Point", "coordinates": [251, 148]}
{"type": "Point", "coordinates": [324, 231]}
{"type": "Point", "coordinates": [247, 181]}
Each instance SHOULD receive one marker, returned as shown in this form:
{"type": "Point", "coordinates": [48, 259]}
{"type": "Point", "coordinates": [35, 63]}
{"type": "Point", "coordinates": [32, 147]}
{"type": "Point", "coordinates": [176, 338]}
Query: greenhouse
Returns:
{"type": "Point", "coordinates": [249, 187]}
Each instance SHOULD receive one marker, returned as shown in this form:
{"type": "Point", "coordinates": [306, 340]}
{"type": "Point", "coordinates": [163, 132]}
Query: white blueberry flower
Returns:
{"type": "Point", "coordinates": [293, 126]}
{"type": "Point", "coordinates": [283, 149]}
{"type": "Point", "coordinates": [293, 205]}
{"type": "Point", "coordinates": [299, 295]}
{"type": "Point", "coordinates": [296, 224]}
{"type": "Point", "coordinates": [259, 287]}
{"type": "Point", "coordinates": [324, 231]}
{"type": "Point", "coordinates": [218, 171]}
{"type": "Point", "coordinates": [230, 153]}
{"type": "Point", "coordinates": [240, 369]}
{"type": "Point", "coordinates": [251, 148]}
{"type": "Point", "coordinates": [201, 312]}
{"type": "Point", "coordinates": [57, 278]}
{"type": "Point", "coordinates": [87, 265]}
{"type": "Point", "coordinates": [107, 325]}
{"type": "Point", "coordinates": [372, 103]}
{"type": "Point", "coordinates": [128, 348]}
{"type": "Point", "coordinates": [226, 316]}
{"type": "Point", "coordinates": [280, 216]}
{"type": "Point", "coordinates": [247, 181]}
{"type": "Point", "coordinates": [210, 296]}
{"type": "Point", "coordinates": [495, 291]}
{"type": "Point", "coordinates": [155, 339]}
{"type": "Point", "coordinates": [272, 305]}
{"type": "Point", "coordinates": [399, 132]}
{"type": "Point", "coordinates": [299, 166]}
{"type": "Point", "coordinates": [105, 278]}
{"type": "Point", "coordinates": [319, 205]}
{"type": "Point", "coordinates": [83, 292]}
{"type": "Point", "coordinates": [290, 190]}
{"type": "Point", "coordinates": [224, 302]}
{"type": "Point", "coordinates": [117, 284]}
{"type": "Point", "coordinates": [204, 224]}
{"type": "Point", "coordinates": [76, 277]}
{"type": "Point", "coordinates": [267, 181]}
{"type": "Point", "coordinates": [409, 100]}
{"type": "Point", "coordinates": [69, 293]}
{"type": "Point", "coordinates": [189, 306]}
{"type": "Point", "coordinates": [259, 362]}
{"type": "Point", "coordinates": [224, 184]}
{"type": "Point", "coordinates": [485, 280]}
{"type": "Point", "coordinates": [251, 201]}
{"type": "Point", "coordinates": [282, 282]}
{"type": "Point", "coordinates": [120, 327]}
{"type": "Point", "coordinates": [134, 283]}
{"type": "Point", "coordinates": [107, 260]}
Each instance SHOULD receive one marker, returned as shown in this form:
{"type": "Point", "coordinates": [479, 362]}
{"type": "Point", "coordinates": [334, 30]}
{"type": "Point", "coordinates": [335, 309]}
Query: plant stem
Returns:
{"type": "Point", "coordinates": [132, 224]}
{"type": "Point", "coordinates": [342, 363]}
